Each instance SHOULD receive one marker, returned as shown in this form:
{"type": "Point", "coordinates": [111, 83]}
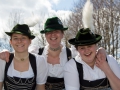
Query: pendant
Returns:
{"type": "Point", "coordinates": [22, 59]}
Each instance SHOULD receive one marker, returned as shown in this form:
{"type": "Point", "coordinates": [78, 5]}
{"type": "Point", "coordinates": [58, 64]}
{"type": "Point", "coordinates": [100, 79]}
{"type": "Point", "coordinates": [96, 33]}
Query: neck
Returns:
{"type": "Point", "coordinates": [92, 64]}
{"type": "Point", "coordinates": [20, 57]}
{"type": "Point", "coordinates": [55, 49]}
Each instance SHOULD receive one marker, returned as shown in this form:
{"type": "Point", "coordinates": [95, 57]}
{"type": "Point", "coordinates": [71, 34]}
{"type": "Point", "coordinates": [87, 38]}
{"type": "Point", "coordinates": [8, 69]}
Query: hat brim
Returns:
{"type": "Point", "coordinates": [51, 29]}
{"type": "Point", "coordinates": [17, 32]}
{"type": "Point", "coordinates": [83, 43]}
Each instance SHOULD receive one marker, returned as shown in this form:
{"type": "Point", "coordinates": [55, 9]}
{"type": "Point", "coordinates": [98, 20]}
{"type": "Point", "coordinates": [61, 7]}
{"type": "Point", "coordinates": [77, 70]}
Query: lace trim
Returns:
{"type": "Point", "coordinates": [97, 87]}
{"type": "Point", "coordinates": [20, 84]}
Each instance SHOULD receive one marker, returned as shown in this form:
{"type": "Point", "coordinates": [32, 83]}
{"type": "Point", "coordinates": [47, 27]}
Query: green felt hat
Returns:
{"type": "Point", "coordinates": [52, 24]}
{"type": "Point", "coordinates": [21, 29]}
{"type": "Point", "coordinates": [85, 37]}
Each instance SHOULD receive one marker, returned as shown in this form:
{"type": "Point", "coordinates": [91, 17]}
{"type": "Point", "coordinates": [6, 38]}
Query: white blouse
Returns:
{"type": "Point", "coordinates": [71, 75]}
{"type": "Point", "coordinates": [42, 70]}
{"type": "Point", "coordinates": [57, 69]}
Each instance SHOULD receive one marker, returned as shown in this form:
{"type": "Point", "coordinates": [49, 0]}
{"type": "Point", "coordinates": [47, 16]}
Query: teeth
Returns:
{"type": "Point", "coordinates": [87, 54]}
{"type": "Point", "coordinates": [20, 45]}
{"type": "Point", "coordinates": [53, 38]}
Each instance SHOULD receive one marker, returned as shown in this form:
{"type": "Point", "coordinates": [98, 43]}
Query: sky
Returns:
{"type": "Point", "coordinates": [36, 8]}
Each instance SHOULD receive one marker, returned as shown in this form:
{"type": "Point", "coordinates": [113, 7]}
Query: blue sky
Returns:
{"type": "Point", "coordinates": [64, 5]}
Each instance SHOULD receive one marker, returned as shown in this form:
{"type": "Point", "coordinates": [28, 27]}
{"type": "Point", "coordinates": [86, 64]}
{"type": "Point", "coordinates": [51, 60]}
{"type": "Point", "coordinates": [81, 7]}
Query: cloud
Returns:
{"type": "Point", "coordinates": [41, 9]}
{"type": "Point", "coordinates": [56, 1]}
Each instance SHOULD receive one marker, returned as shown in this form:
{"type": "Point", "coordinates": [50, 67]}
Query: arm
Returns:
{"type": "Point", "coordinates": [2, 70]}
{"type": "Point", "coordinates": [1, 85]}
{"type": "Point", "coordinates": [40, 87]}
{"type": "Point", "coordinates": [42, 72]}
{"type": "Point", "coordinates": [71, 76]}
{"type": "Point", "coordinates": [105, 67]}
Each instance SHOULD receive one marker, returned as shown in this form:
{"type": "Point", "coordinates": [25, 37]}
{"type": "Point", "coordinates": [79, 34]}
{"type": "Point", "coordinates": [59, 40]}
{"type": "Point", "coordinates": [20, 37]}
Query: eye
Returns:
{"type": "Point", "coordinates": [89, 46]}
{"type": "Point", "coordinates": [81, 48]}
{"type": "Point", "coordinates": [23, 38]}
{"type": "Point", "coordinates": [15, 39]}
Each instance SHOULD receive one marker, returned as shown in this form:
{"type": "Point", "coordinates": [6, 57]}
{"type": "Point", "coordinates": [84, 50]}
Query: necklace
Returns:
{"type": "Point", "coordinates": [54, 49]}
{"type": "Point", "coordinates": [21, 59]}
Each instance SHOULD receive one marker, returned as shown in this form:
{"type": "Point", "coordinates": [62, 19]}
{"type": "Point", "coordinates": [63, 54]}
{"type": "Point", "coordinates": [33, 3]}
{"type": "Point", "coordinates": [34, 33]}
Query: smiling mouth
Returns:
{"type": "Point", "coordinates": [20, 45]}
{"type": "Point", "coordinates": [88, 54]}
{"type": "Point", "coordinates": [53, 38]}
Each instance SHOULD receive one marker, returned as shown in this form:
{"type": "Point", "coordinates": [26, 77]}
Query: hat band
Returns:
{"type": "Point", "coordinates": [85, 41]}
{"type": "Point", "coordinates": [52, 26]}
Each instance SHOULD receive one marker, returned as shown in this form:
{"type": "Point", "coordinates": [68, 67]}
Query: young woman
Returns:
{"type": "Point", "coordinates": [24, 71]}
{"type": "Point", "coordinates": [85, 72]}
{"type": "Point", "coordinates": [55, 53]}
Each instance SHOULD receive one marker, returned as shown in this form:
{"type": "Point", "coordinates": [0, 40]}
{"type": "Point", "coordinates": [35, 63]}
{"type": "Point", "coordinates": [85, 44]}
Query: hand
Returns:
{"type": "Point", "coordinates": [101, 54]}
{"type": "Point", "coordinates": [5, 55]}
{"type": "Point", "coordinates": [102, 64]}
{"type": "Point", "coordinates": [101, 59]}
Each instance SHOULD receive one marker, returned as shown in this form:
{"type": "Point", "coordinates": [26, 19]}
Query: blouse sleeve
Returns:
{"type": "Point", "coordinates": [2, 69]}
{"type": "Point", "coordinates": [42, 69]}
{"type": "Point", "coordinates": [71, 76]}
{"type": "Point", "coordinates": [114, 65]}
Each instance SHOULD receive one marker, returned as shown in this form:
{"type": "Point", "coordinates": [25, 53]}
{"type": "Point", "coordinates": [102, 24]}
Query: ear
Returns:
{"type": "Point", "coordinates": [30, 41]}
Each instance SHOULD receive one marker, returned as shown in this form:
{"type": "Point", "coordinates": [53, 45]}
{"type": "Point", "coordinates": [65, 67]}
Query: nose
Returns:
{"type": "Point", "coordinates": [86, 49]}
{"type": "Point", "coordinates": [53, 33]}
{"type": "Point", "coordinates": [19, 39]}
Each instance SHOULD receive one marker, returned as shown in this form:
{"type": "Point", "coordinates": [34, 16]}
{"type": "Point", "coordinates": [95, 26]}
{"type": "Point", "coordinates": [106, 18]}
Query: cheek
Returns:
{"type": "Point", "coordinates": [80, 52]}
{"type": "Point", "coordinates": [47, 37]}
{"type": "Point", "coordinates": [29, 42]}
{"type": "Point", "coordinates": [61, 36]}
{"type": "Point", "coordinates": [95, 49]}
{"type": "Point", "coordinates": [11, 42]}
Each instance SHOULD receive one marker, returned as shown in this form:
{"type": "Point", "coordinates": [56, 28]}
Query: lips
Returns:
{"type": "Point", "coordinates": [20, 46]}
{"type": "Point", "coordinates": [53, 38]}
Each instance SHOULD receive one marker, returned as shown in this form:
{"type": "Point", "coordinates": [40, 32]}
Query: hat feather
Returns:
{"type": "Point", "coordinates": [87, 17]}
{"type": "Point", "coordinates": [32, 21]}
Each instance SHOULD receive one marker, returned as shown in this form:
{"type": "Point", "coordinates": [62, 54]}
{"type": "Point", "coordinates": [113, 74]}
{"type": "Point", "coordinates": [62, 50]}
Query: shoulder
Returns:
{"type": "Point", "coordinates": [2, 65]}
{"type": "Point", "coordinates": [111, 59]}
{"type": "Point", "coordinates": [40, 59]}
{"type": "Point", "coordinates": [114, 65]}
{"type": "Point", "coordinates": [70, 64]}
{"type": "Point", "coordinates": [2, 69]}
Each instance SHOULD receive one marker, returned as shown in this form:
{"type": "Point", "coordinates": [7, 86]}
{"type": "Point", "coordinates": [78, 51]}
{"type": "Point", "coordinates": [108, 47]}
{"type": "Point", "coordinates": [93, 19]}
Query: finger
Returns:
{"type": "Point", "coordinates": [98, 58]}
{"type": "Point", "coordinates": [2, 55]}
{"type": "Point", "coordinates": [97, 64]}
